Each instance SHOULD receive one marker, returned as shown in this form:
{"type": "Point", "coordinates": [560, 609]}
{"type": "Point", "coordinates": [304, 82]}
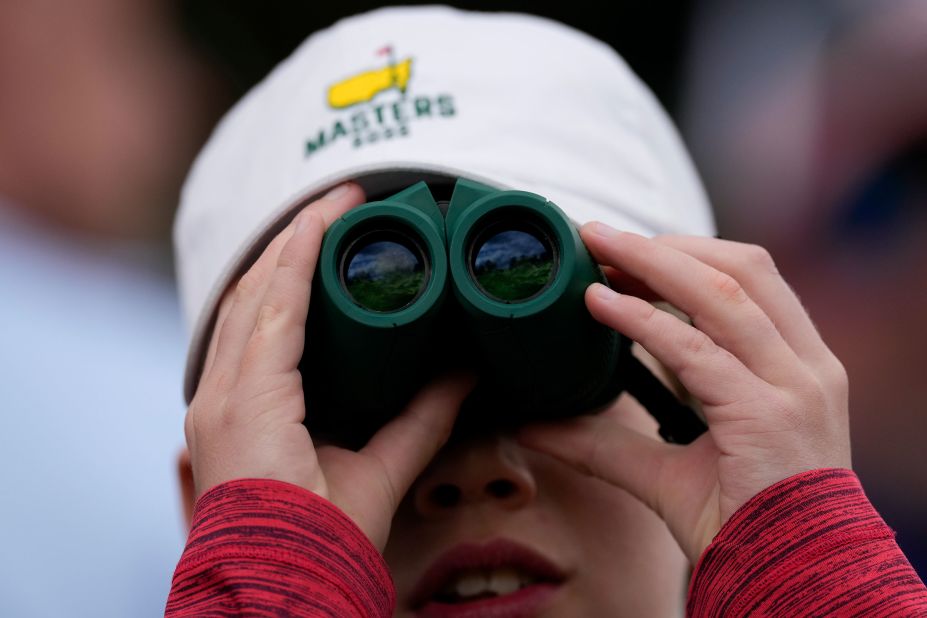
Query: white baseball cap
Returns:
{"type": "Point", "coordinates": [403, 94]}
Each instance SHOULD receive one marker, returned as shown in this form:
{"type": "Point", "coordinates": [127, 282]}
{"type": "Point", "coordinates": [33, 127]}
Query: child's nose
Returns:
{"type": "Point", "coordinates": [489, 470]}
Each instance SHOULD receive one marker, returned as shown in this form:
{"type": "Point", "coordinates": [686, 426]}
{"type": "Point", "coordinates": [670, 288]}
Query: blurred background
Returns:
{"type": "Point", "coordinates": [807, 120]}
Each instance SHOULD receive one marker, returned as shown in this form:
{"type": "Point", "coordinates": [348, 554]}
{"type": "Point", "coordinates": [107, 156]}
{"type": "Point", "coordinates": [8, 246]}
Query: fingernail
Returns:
{"type": "Point", "coordinates": [337, 192]}
{"type": "Point", "coordinates": [600, 229]}
{"type": "Point", "coordinates": [604, 292]}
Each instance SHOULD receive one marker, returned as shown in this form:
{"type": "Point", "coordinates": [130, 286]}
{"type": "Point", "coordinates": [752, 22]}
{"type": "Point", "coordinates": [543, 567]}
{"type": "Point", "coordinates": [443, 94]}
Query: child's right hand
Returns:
{"type": "Point", "coordinates": [246, 419]}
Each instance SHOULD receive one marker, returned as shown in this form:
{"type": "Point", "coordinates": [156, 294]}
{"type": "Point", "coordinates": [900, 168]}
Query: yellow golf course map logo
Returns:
{"type": "Point", "coordinates": [378, 105]}
{"type": "Point", "coordinates": [363, 87]}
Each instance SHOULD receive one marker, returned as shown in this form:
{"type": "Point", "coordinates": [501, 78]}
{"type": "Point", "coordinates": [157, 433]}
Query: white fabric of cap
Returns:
{"type": "Point", "coordinates": [388, 97]}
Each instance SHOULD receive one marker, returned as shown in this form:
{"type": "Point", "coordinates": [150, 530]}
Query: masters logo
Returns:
{"type": "Point", "coordinates": [379, 104]}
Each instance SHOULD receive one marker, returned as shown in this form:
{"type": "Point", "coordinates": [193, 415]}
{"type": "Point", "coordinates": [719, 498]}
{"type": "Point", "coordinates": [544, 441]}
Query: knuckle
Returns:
{"type": "Point", "coordinates": [221, 381]}
{"type": "Point", "coordinates": [757, 257]}
{"type": "Point", "coordinates": [291, 384]}
{"type": "Point", "coordinates": [695, 343]}
{"type": "Point", "coordinates": [267, 393]}
{"type": "Point", "coordinates": [391, 492]}
{"type": "Point", "coordinates": [810, 399]}
{"type": "Point", "coordinates": [248, 285]}
{"type": "Point", "coordinates": [197, 424]}
{"type": "Point", "coordinates": [291, 258]}
{"type": "Point", "coordinates": [728, 288]}
{"type": "Point", "coordinates": [269, 314]}
{"type": "Point", "coordinates": [647, 312]}
{"type": "Point", "coordinates": [425, 427]}
{"type": "Point", "coordinates": [788, 410]}
{"type": "Point", "coordinates": [188, 429]}
{"type": "Point", "coordinates": [317, 221]}
{"type": "Point", "coordinates": [225, 306]}
{"type": "Point", "coordinates": [837, 374]}
{"type": "Point", "coordinates": [814, 397]}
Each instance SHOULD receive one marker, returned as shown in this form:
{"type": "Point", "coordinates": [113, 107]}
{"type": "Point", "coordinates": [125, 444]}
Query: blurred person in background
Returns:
{"type": "Point", "coordinates": [101, 109]}
{"type": "Point", "coordinates": [809, 123]}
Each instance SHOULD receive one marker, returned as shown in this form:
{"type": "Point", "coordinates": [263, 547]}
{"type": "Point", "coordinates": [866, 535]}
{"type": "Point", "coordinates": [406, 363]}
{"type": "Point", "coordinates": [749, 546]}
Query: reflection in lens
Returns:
{"type": "Point", "coordinates": [513, 265]}
{"type": "Point", "coordinates": [384, 275]}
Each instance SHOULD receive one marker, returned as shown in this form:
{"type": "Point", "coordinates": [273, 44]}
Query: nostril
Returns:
{"type": "Point", "coordinates": [500, 488]}
{"type": "Point", "coordinates": [444, 495]}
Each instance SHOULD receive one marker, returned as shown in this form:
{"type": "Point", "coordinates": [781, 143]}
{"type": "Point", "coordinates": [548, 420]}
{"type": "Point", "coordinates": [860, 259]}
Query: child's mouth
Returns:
{"type": "Point", "coordinates": [500, 579]}
{"type": "Point", "coordinates": [482, 584]}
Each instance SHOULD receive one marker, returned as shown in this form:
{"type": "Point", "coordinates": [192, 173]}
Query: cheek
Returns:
{"type": "Point", "coordinates": [629, 563]}
{"type": "Point", "coordinates": [413, 545]}
{"type": "Point", "coordinates": [405, 564]}
{"type": "Point", "coordinates": [625, 561]}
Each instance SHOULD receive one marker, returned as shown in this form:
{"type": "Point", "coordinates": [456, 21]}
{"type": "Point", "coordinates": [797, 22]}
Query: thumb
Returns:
{"type": "Point", "coordinates": [410, 441]}
{"type": "Point", "coordinates": [600, 446]}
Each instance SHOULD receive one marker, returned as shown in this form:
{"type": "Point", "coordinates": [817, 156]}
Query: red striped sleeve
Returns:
{"type": "Point", "coordinates": [260, 547]}
{"type": "Point", "coordinates": [810, 545]}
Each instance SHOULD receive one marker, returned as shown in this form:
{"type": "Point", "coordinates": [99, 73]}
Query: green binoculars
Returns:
{"type": "Point", "coordinates": [494, 281]}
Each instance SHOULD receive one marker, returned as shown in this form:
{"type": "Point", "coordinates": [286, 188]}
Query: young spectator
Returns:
{"type": "Point", "coordinates": [592, 516]}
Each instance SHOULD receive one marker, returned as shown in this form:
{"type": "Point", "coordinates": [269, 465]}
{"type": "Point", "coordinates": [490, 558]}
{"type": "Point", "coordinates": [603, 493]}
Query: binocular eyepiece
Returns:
{"type": "Point", "coordinates": [493, 282]}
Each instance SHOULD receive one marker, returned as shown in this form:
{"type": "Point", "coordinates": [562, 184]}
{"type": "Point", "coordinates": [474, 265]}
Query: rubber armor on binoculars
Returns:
{"type": "Point", "coordinates": [493, 281]}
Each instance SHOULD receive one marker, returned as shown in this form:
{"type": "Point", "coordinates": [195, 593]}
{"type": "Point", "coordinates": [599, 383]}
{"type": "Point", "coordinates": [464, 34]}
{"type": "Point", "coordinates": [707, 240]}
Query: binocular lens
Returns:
{"type": "Point", "coordinates": [511, 263]}
{"type": "Point", "coordinates": [384, 271]}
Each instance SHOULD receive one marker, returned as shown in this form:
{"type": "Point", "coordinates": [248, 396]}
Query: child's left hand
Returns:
{"type": "Point", "coordinates": [774, 396]}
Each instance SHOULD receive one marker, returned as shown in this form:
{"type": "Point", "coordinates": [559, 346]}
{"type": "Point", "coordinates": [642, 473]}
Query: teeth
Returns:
{"type": "Point", "coordinates": [504, 581]}
{"type": "Point", "coordinates": [471, 584]}
{"type": "Point", "coordinates": [497, 582]}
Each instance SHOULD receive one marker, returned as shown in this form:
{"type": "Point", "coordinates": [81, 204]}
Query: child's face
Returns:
{"type": "Point", "coordinates": [611, 555]}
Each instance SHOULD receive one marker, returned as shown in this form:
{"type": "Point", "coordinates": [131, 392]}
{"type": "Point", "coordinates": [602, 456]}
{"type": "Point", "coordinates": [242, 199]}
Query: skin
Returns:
{"type": "Point", "coordinates": [601, 496]}
{"type": "Point", "coordinates": [619, 557]}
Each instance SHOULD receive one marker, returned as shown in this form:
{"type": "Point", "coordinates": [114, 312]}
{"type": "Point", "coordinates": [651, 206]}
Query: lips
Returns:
{"type": "Point", "coordinates": [499, 579]}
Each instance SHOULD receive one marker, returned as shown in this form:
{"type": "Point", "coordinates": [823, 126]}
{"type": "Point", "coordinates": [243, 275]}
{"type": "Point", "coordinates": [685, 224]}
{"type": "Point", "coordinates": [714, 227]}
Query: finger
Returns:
{"type": "Point", "coordinates": [626, 284]}
{"type": "Point", "coordinates": [242, 303]}
{"type": "Point", "coordinates": [715, 301]}
{"type": "Point", "coordinates": [408, 443]}
{"type": "Point", "coordinates": [277, 342]}
{"type": "Point", "coordinates": [755, 269]}
{"type": "Point", "coordinates": [601, 447]}
{"type": "Point", "coordinates": [225, 305]}
{"type": "Point", "coordinates": [338, 201]}
{"type": "Point", "coordinates": [245, 298]}
{"type": "Point", "coordinates": [708, 371]}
